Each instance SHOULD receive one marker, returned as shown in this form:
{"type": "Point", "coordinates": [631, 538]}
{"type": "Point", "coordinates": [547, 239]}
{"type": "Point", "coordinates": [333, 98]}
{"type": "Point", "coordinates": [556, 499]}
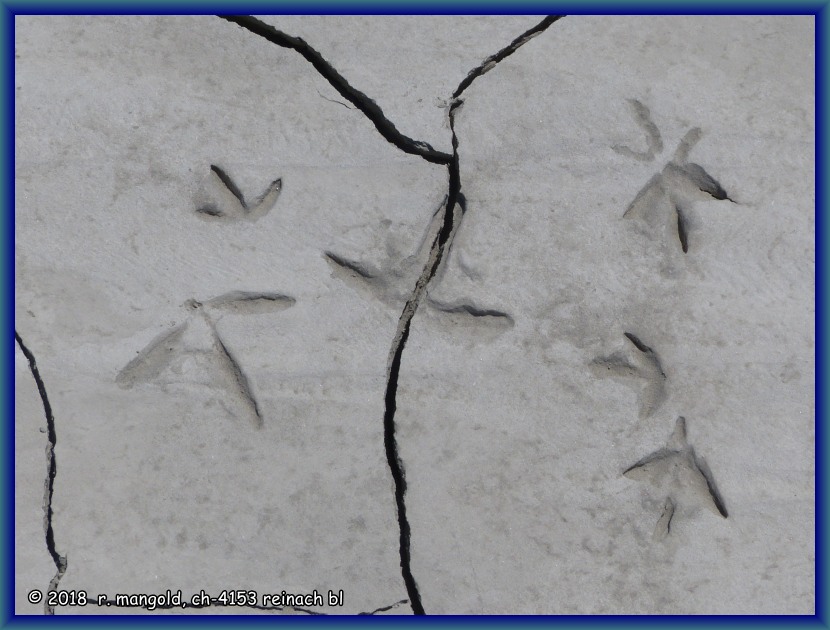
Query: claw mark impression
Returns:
{"type": "Point", "coordinates": [644, 364]}
{"type": "Point", "coordinates": [233, 206]}
{"type": "Point", "coordinates": [663, 527]}
{"type": "Point", "coordinates": [240, 380]}
{"type": "Point", "coordinates": [249, 303]}
{"type": "Point", "coordinates": [642, 115]}
{"type": "Point", "coordinates": [676, 472]}
{"type": "Point", "coordinates": [463, 312]}
{"type": "Point", "coordinates": [152, 360]}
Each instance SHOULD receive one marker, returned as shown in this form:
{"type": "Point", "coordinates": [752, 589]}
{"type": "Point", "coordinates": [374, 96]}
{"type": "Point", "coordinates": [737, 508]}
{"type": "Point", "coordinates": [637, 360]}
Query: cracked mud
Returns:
{"type": "Point", "coordinates": [229, 332]}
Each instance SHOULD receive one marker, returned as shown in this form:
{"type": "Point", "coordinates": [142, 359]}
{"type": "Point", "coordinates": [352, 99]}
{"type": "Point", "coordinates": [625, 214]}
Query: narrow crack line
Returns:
{"type": "Point", "coordinates": [331, 100]}
{"type": "Point", "coordinates": [385, 608]}
{"type": "Point", "coordinates": [339, 83]}
{"type": "Point", "coordinates": [508, 50]}
{"type": "Point", "coordinates": [51, 473]}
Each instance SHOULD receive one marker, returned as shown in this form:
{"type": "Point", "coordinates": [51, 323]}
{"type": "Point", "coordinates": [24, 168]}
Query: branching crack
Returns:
{"type": "Point", "coordinates": [449, 221]}
{"type": "Point", "coordinates": [51, 473]}
{"type": "Point", "coordinates": [443, 240]}
{"type": "Point", "coordinates": [453, 210]}
{"type": "Point", "coordinates": [362, 102]}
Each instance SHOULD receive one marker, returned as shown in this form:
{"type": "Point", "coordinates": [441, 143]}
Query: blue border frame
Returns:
{"type": "Point", "coordinates": [7, 439]}
{"type": "Point", "coordinates": [821, 172]}
{"type": "Point", "coordinates": [9, 9]}
{"type": "Point", "coordinates": [414, 7]}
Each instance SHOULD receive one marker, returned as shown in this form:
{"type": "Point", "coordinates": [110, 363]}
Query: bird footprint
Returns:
{"type": "Point", "coordinates": [676, 471]}
{"type": "Point", "coordinates": [234, 207]}
{"type": "Point", "coordinates": [677, 186]}
{"type": "Point", "coordinates": [160, 353]}
{"type": "Point", "coordinates": [643, 364]}
{"type": "Point", "coordinates": [393, 283]}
